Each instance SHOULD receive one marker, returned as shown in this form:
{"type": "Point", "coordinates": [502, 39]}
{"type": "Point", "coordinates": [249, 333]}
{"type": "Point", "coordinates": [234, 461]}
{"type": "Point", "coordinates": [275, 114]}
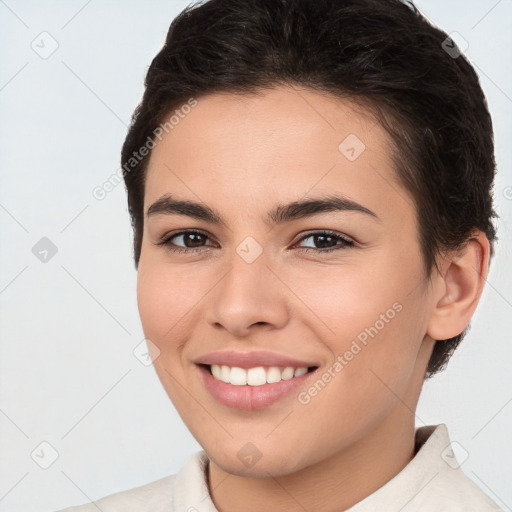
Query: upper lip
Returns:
{"type": "Point", "coordinates": [251, 359]}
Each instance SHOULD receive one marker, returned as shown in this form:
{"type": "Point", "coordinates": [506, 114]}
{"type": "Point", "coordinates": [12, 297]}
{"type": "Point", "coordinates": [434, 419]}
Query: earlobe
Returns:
{"type": "Point", "coordinates": [460, 285]}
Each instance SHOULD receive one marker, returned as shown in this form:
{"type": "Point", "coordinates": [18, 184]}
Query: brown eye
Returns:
{"type": "Point", "coordinates": [326, 241]}
{"type": "Point", "coordinates": [188, 241]}
{"type": "Point", "coordinates": [191, 239]}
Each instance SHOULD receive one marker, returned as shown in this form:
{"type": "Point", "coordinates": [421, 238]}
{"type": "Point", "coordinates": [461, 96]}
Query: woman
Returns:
{"type": "Point", "coordinates": [310, 190]}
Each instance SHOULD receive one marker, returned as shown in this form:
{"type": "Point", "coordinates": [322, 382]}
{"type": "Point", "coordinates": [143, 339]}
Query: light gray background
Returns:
{"type": "Point", "coordinates": [69, 326]}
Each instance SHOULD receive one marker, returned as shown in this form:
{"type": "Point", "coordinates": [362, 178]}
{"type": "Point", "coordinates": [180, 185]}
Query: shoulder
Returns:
{"type": "Point", "coordinates": [433, 480]}
{"type": "Point", "coordinates": [171, 493]}
{"type": "Point", "coordinates": [441, 483]}
{"type": "Point", "coordinates": [448, 485]}
{"type": "Point", "coordinates": [453, 490]}
{"type": "Point", "coordinates": [155, 497]}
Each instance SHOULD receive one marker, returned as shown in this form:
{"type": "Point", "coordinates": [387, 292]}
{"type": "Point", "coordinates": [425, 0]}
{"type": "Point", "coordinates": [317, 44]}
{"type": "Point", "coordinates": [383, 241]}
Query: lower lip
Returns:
{"type": "Point", "coordinates": [250, 398]}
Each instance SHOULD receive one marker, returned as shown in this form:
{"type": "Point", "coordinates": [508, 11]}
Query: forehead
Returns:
{"type": "Point", "coordinates": [279, 144]}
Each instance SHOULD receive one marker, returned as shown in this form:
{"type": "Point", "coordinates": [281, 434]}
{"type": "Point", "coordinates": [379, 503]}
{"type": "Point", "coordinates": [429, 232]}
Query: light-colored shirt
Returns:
{"type": "Point", "coordinates": [431, 482]}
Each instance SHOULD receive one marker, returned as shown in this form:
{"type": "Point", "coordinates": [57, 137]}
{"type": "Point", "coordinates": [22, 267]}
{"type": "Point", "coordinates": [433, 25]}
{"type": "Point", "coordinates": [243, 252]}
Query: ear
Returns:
{"type": "Point", "coordinates": [458, 287]}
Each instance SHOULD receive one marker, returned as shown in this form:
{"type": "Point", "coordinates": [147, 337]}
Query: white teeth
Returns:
{"type": "Point", "coordinates": [224, 373]}
{"type": "Point", "coordinates": [255, 376]}
{"type": "Point", "coordinates": [216, 371]}
{"type": "Point", "coordinates": [287, 373]}
{"type": "Point", "coordinates": [300, 371]}
{"type": "Point", "coordinates": [238, 376]}
{"type": "Point", "coordinates": [273, 374]}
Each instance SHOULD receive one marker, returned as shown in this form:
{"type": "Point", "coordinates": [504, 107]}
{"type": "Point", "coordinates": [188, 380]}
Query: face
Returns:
{"type": "Point", "coordinates": [334, 283]}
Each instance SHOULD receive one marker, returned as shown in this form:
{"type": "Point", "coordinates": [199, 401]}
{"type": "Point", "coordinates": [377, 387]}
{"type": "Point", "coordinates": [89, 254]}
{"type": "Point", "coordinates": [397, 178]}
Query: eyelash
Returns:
{"type": "Point", "coordinates": [166, 241]}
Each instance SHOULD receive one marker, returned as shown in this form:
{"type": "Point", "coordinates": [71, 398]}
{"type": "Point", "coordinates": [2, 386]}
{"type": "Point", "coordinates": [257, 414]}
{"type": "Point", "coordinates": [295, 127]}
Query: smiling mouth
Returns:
{"type": "Point", "coordinates": [256, 376]}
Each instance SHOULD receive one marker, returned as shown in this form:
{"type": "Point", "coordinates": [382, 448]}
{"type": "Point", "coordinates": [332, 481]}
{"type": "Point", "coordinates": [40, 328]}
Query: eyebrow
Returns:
{"type": "Point", "coordinates": [282, 213]}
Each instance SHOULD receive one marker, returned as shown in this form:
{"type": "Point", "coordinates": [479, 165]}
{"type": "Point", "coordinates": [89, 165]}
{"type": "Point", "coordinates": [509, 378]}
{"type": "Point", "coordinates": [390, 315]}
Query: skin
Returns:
{"type": "Point", "coordinates": [243, 155]}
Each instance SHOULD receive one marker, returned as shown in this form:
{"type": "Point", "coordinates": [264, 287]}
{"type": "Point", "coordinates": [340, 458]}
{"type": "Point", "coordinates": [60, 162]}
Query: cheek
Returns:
{"type": "Point", "coordinates": [348, 298]}
{"type": "Point", "coordinates": [165, 297]}
{"type": "Point", "coordinates": [157, 309]}
{"type": "Point", "coordinates": [163, 306]}
{"type": "Point", "coordinates": [154, 303]}
{"type": "Point", "coordinates": [369, 317]}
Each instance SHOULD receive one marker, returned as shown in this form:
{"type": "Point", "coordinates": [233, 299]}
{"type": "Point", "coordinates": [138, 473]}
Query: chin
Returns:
{"type": "Point", "coordinates": [261, 469]}
{"type": "Point", "coordinates": [252, 463]}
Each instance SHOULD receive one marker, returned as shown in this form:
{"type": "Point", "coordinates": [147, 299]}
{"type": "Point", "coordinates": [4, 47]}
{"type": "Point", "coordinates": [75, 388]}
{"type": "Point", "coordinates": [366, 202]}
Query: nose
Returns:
{"type": "Point", "coordinates": [249, 297]}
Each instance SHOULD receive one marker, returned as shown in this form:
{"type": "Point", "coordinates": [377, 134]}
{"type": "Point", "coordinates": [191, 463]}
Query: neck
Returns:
{"type": "Point", "coordinates": [336, 483]}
